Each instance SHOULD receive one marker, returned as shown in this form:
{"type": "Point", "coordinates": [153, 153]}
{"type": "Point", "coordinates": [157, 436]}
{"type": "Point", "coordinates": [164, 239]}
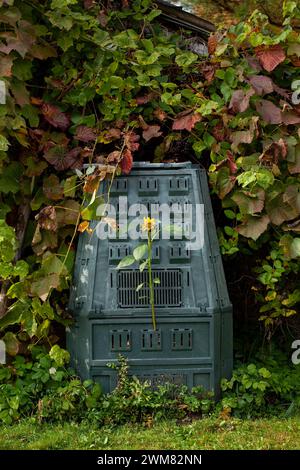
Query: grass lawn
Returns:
{"type": "Point", "coordinates": [209, 433]}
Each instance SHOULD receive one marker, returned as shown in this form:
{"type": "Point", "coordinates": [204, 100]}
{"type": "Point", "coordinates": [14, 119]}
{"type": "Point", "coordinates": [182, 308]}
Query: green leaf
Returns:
{"type": "Point", "coordinates": [12, 343]}
{"type": "Point", "coordinates": [251, 368]}
{"type": "Point", "coordinates": [10, 178]}
{"type": "Point", "coordinates": [127, 261]}
{"type": "Point", "coordinates": [156, 280]}
{"type": "Point", "coordinates": [185, 59]}
{"type": "Point", "coordinates": [70, 186]}
{"type": "Point", "coordinates": [65, 41]}
{"type": "Point", "coordinates": [198, 147]}
{"type": "Point", "coordinates": [59, 4]}
{"type": "Point", "coordinates": [143, 265]}
{"type": "Point", "coordinates": [31, 113]}
{"type": "Point", "coordinates": [226, 91]}
{"type": "Point", "coordinates": [292, 298]}
{"type": "Point", "coordinates": [153, 14]}
{"type": "Point", "coordinates": [140, 251]}
{"type": "Point", "coordinates": [139, 287]}
{"type": "Point", "coordinates": [91, 212]}
{"type": "Point", "coordinates": [22, 69]}
{"type": "Point", "coordinates": [229, 231]}
{"type": "Point", "coordinates": [207, 107]}
{"type": "Point", "coordinates": [59, 355]}
{"type": "Point", "coordinates": [3, 144]}
{"type": "Point", "coordinates": [265, 373]}
{"type": "Point", "coordinates": [14, 314]}
{"type": "Point", "coordinates": [126, 39]}
{"type": "Point", "coordinates": [171, 100]}
{"type": "Point", "coordinates": [229, 214]}
{"type": "Point", "coordinates": [295, 248]}
{"type": "Point", "coordinates": [42, 285]}
{"type": "Point", "coordinates": [230, 76]}
{"type": "Point", "coordinates": [144, 58]}
{"type": "Point", "coordinates": [21, 269]}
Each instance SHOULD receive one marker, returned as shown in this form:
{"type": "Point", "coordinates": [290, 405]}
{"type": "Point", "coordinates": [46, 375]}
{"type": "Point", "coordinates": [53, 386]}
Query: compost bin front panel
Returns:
{"type": "Point", "coordinates": [194, 318]}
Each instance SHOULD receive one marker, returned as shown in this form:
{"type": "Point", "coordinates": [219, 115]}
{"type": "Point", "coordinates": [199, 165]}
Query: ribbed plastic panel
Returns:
{"type": "Point", "coordinates": [167, 293]}
{"type": "Point", "coordinates": [194, 314]}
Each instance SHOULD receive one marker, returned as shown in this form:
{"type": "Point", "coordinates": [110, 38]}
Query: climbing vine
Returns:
{"type": "Point", "coordinates": [86, 82]}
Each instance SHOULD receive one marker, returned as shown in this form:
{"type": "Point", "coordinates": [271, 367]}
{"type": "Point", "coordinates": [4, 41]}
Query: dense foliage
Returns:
{"type": "Point", "coordinates": [106, 83]}
{"type": "Point", "coordinates": [48, 390]}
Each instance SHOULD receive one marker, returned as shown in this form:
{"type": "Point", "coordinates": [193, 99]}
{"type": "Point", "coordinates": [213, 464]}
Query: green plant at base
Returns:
{"type": "Point", "coordinates": [255, 390]}
{"type": "Point", "coordinates": [96, 83]}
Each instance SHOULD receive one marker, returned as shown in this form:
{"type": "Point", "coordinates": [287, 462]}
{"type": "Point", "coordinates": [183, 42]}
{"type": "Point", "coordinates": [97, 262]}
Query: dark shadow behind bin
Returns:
{"type": "Point", "coordinates": [193, 341]}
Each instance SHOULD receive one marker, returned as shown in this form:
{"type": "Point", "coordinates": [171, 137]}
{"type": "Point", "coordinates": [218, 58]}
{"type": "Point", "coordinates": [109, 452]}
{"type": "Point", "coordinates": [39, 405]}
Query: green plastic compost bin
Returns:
{"type": "Point", "coordinates": [192, 344]}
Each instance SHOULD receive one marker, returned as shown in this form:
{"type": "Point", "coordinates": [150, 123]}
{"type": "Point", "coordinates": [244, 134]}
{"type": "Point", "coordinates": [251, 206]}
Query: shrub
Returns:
{"type": "Point", "coordinates": [256, 391]}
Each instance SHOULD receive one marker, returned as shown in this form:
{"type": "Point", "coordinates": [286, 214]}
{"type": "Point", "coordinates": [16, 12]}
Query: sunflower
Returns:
{"type": "Point", "coordinates": [148, 224]}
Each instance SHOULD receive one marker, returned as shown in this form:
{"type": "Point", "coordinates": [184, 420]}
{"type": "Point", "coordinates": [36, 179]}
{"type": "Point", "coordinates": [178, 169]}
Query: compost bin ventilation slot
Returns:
{"type": "Point", "coordinates": [168, 293]}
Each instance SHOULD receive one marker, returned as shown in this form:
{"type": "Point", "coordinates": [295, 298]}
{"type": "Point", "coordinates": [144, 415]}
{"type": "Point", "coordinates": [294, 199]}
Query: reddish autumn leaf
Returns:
{"type": "Point", "coordinates": [282, 91]}
{"type": "Point", "coordinates": [208, 72]}
{"type": "Point", "coordinates": [92, 182]}
{"type": "Point", "coordinates": [85, 134]}
{"type": "Point", "coordinates": [52, 188]}
{"type": "Point", "coordinates": [245, 137]}
{"type": "Point", "coordinates": [225, 182]}
{"type": "Point", "coordinates": [35, 167]}
{"type": "Point", "coordinates": [294, 166]}
{"type": "Point", "coordinates": [75, 158]}
{"type": "Point", "coordinates": [55, 116]}
{"type": "Point", "coordinates": [261, 84]}
{"type": "Point", "coordinates": [270, 57]}
{"type": "Point", "coordinates": [20, 93]}
{"type": "Point", "coordinates": [46, 218]}
{"type": "Point", "coordinates": [102, 18]}
{"type": "Point", "coordinates": [254, 226]}
{"type": "Point", "coordinates": [131, 141]}
{"type": "Point", "coordinates": [61, 159]}
{"type": "Point", "coordinates": [151, 132]}
{"type": "Point", "coordinates": [290, 118]}
{"type": "Point", "coordinates": [219, 132]}
{"type": "Point", "coordinates": [88, 4]}
{"type": "Point", "coordinates": [112, 134]}
{"type": "Point", "coordinates": [240, 100]}
{"type": "Point", "coordinates": [228, 162]}
{"type": "Point", "coordinates": [254, 63]}
{"type": "Point", "coordinates": [36, 101]}
{"type": "Point", "coordinates": [273, 152]}
{"type": "Point", "coordinates": [67, 213]}
{"type": "Point", "coordinates": [83, 226]}
{"type": "Point", "coordinates": [248, 202]}
{"type": "Point", "coordinates": [114, 157]}
{"type": "Point", "coordinates": [241, 137]}
{"type": "Point", "coordinates": [144, 99]}
{"type": "Point", "coordinates": [6, 64]}
{"type": "Point", "coordinates": [11, 16]}
{"type": "Point", "coordinates": [269, 112]}
{"type": "Point", "coordinates": [120, 123]}
{"type": "Point", "coordinates": [13, 43]}
{"type": "Point", "coordinates": [212, 43]}
{"type": "Point", "coordinates": [42, 52]}
{"type": "Point", "coordinates": [126, 162]}
{"type": "Point", "coordinates": [186, 121]}
{"type": "Point", "coordinates": [231, 163]}
{"type": "Point", "coordinates": [160, 114]}
{"type": "Point", "coordinates": [50, 139]}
